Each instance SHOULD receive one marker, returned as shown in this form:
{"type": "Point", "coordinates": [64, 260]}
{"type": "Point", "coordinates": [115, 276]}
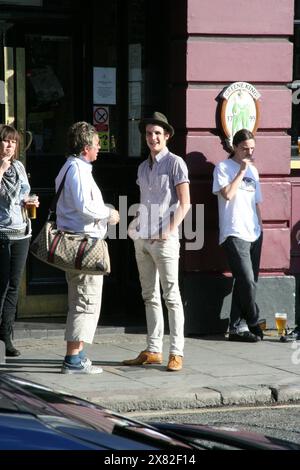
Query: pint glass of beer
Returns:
{"type": "Point", "coordinates": [281, 323]}
{"type": "Point", "coordinates": [31, 206]}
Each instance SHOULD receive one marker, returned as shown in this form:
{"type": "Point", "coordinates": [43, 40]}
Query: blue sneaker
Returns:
{"type": "Point", "coordinates": [84, 367]}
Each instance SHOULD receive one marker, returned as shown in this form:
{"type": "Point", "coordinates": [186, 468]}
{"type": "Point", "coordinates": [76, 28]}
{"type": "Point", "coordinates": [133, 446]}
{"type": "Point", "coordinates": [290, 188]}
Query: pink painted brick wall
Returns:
{"type": "Point", "coordinates": [234, 59]}
{"type": "Point", "coordinates": [276, 249]}
{"type": "Point", "coordinates": [263, 17]}
{"type": "Point", "coordinates": [272, 154]}
{"type": "Point", "coordinates": [276, 215]}
{"type": "Point", "coordinates": [276, 205]}
{"type": "Point", "coordinates": [228, 41]}
{"type": "Point", "coordinates": [275, 208]}
{"type": "Point", "coordinates": [211, 258]}
{"type": "Point", "coordinates": [295, 225]}
{"type": "Point", "coordinates": [201, 107]}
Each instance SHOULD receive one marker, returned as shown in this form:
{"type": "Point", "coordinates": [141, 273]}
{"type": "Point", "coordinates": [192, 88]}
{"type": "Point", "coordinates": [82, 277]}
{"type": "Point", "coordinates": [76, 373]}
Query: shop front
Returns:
{"type": "Point", "coordinates": [111, 63]}
{"type": "Point", "coordinates": [97, 61]}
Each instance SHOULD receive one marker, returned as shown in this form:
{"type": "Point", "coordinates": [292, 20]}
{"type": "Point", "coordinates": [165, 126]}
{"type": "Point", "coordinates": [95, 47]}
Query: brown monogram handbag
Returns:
{"type": "Point", "coordinates": [67, 250]}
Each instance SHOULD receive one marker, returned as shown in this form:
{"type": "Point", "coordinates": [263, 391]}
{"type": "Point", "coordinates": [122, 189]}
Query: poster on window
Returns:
{"type": "Point", "coordinates": [104, 85]}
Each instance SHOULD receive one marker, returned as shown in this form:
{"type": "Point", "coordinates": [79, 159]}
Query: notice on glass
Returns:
{"type": "Point", "coordinates": [104, 85]}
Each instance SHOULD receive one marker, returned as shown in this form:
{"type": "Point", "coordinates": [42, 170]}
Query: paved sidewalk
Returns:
{"type": "Point", "coordinates": [216, 372]}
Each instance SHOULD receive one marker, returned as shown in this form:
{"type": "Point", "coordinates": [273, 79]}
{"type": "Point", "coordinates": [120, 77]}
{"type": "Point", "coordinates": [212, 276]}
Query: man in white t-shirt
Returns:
{"type": "Point", "coordinates": [236, 183]}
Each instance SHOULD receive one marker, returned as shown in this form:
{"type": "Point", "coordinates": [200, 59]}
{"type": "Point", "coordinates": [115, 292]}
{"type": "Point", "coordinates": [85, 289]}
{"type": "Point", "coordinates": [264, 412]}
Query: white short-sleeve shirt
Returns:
{"type": "Point", "coordinates": [237, 217]}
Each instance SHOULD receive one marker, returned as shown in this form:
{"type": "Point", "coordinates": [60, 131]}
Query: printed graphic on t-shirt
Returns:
{"type": "Point", "coordinates": [248, 184]}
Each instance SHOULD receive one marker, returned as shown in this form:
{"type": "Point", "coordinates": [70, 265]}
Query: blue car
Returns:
{"type": "Point", "coordinates": [34, 417]}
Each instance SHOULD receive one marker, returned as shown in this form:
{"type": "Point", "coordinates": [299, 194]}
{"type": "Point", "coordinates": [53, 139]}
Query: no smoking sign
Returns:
{"type": "Point", "coordinates": [101, 118]}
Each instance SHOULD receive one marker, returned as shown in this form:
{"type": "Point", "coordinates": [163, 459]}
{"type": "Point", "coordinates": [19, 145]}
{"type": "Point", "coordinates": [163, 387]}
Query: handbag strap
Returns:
{"type": "Point", "coordinates": [52, 209]}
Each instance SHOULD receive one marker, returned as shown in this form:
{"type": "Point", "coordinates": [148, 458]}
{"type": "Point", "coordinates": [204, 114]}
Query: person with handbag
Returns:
{"type": "Point", "coordinates": [164, 202]}
{"type": "Point", "coordinates": [80, 209]}
{"type": "Point", "coordinates": [15, 231]}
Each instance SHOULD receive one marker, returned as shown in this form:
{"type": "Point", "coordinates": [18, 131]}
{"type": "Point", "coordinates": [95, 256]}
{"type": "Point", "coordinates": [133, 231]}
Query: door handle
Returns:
{"type": "Point", "coordinates": [29, 140]}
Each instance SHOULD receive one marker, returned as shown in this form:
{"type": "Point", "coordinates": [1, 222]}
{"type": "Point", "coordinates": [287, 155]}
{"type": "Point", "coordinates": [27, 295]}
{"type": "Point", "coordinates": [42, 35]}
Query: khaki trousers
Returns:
{"type": "Point", "coordinates": [84, 304]}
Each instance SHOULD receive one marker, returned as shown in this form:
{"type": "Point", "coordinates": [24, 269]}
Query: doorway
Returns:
{"type": "Point", "coordinates": [39, 69]}
{"type": "Point", "coordinates": [51, 58]}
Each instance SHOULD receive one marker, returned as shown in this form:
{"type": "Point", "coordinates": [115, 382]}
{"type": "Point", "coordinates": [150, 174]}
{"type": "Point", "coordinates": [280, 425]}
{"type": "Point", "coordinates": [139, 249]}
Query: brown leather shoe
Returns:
{"type": "Point", "coordinates": [175, 363]}
{"type": "Point", "coordinates": [145, 357]}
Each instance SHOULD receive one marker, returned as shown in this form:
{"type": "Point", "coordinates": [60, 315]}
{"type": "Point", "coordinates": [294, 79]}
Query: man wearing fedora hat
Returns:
{"type": "Point", "coordinates": [164, 202]}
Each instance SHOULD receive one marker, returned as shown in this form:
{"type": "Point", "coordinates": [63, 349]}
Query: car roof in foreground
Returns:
{"type": "Point", "coordinates": [33, 416]}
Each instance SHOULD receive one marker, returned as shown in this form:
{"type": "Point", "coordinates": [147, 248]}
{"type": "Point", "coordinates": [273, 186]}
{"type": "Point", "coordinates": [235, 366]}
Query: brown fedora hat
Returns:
{"type": "Point", "coordinates": [159, 119]}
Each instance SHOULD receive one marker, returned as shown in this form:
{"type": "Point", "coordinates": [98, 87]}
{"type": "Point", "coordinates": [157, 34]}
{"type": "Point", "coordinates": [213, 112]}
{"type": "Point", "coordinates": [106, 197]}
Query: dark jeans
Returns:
{"type": "Point", "coordinates": [243, 258]}
{"type": "Point", "coordinates": [13, 254]}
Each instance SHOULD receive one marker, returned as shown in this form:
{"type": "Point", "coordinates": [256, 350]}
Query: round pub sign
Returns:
{"type": "Point", "coordinates": [240, 108]}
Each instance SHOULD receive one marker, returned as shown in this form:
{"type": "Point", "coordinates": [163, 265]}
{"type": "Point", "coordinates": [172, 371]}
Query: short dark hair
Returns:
{"type": "Point", "coordinates": [9, 132]}
{"type": "Point", "coordinates": [80, 134]}
{"type": "Point", "coordinates": [241, 136]}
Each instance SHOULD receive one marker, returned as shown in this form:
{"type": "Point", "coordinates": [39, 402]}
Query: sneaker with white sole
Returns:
{"type": "Point", "coordinates": [87, 360]}
{"type": "Point", "coordinates": [84, 367]}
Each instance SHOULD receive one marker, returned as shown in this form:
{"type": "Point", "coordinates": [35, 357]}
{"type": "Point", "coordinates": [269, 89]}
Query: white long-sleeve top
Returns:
{"type": "Point", "coordinates": [80, 207]}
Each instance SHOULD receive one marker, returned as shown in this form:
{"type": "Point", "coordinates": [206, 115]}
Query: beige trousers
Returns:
{"type": "Point", "coordinates": [84, 303]}
{"type": "Point", "coordinates": [158, 265]}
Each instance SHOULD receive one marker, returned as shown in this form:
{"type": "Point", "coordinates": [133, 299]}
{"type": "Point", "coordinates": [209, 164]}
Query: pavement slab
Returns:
{"type": "Point", "coordinates": [216, 372]}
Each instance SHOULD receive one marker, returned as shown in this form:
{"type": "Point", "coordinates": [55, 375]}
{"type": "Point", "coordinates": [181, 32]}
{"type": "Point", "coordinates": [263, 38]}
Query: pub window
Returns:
{"type": "Point", "coordinates": [136, 73]}
{"type": "Point", "coordinates": [110, 55]}
{"type": "Point", "coordinates": [134, 61]}
{"type": "Point", "coordinates": [148, 66]}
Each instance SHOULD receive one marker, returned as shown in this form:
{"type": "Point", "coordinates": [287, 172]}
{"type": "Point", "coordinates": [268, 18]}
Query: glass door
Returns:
{"type": "Point", "coordinates": [49, 111]}
{"type": "Point", "coordinates": [39, 88]}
